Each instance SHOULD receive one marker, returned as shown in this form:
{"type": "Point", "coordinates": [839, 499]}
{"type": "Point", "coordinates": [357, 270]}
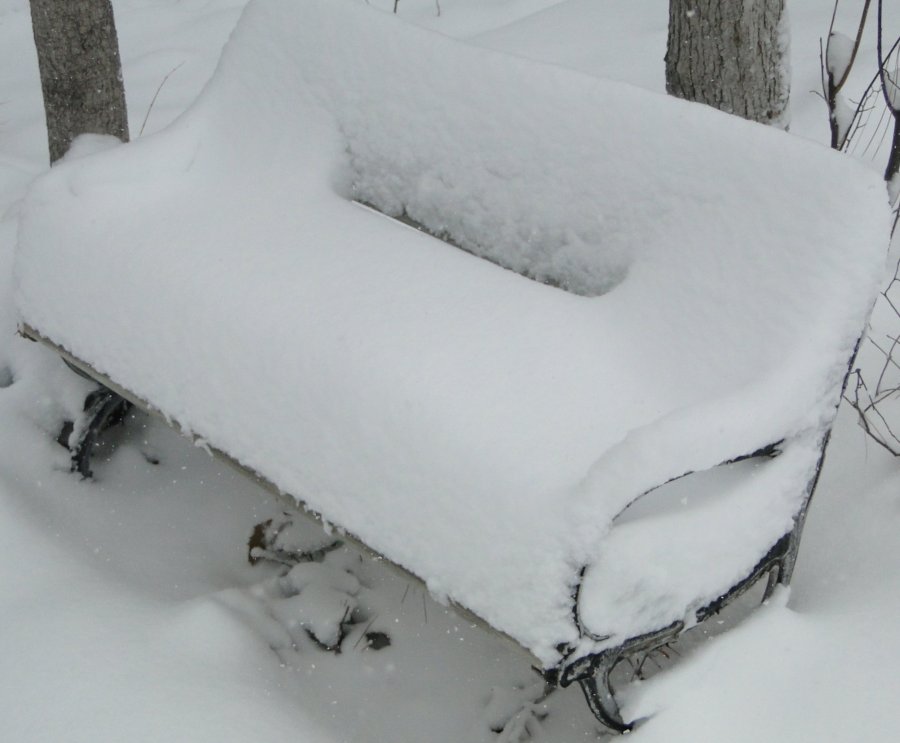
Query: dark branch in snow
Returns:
{"type": "Point", "coordinates": [890, 89]}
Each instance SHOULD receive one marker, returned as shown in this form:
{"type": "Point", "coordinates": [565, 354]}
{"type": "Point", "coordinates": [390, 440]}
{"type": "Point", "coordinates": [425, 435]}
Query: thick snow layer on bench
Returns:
{"type": "Point", "coordinates": [475, 426]}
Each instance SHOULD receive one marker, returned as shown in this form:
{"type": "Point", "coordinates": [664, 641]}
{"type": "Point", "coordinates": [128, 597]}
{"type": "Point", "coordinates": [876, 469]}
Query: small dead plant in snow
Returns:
{"type": "Point", "coordinates": [862, 129]}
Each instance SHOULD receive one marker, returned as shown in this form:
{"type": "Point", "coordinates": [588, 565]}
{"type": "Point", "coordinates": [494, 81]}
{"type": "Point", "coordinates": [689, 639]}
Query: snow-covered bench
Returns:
{"type": "Point", "coordinates": [522, 446]}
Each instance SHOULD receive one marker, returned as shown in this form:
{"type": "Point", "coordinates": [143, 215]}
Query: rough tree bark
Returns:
{"type": "Point", "coordinates": [730, 54]}
{"type": "Point", "coordinates": [81, 73]}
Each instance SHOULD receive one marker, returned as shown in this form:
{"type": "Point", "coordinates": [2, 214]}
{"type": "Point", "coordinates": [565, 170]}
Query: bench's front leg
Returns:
{"type": "Point", "coordinates": [102, 408]}
{"type": "Point", "coordinates": [602, 700]}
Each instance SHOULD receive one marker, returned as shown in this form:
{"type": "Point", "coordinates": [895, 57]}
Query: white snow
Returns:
{"type": "Point", "coordinates": [130, 612]}
{"type": "Point", "coordinates": [395, 383]}
{"type": "Point", "coordinates": [838, 53]}
{"type": "Point", "coordinates": [700, 539]}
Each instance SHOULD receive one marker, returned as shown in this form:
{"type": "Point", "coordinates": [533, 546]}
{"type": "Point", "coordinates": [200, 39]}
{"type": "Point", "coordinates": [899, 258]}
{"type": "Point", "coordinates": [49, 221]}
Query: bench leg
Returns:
{"type": "Point", "coordinates": [102, 408]}
{"type": "Point", "coordinates": [782, 571]}
{"type": "Point", "coordinates": [602, 701]}
{"type": "Point", "coordinates": [774, 579]}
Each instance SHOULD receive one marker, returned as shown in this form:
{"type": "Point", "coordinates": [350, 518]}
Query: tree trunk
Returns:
{"type": "Point", "coordinates": [730, 54]}
{"type": "Point", "coordinates": [81, 74]}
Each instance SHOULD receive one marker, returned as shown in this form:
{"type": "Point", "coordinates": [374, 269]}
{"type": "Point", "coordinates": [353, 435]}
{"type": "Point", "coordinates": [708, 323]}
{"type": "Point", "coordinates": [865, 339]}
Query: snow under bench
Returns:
{"type": "Point", "coordinates": [628, 289]}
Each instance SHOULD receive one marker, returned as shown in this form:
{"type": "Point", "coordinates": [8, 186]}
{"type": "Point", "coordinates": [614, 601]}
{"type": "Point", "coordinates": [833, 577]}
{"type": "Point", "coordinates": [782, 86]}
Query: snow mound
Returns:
{"type": "Point", "coordinates": [479, 428]}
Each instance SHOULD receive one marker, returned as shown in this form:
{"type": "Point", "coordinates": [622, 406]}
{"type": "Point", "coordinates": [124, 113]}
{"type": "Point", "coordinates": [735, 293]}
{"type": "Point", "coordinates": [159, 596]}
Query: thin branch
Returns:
{"type": "Point", "coordinates": [155, 95]}
{"type": "Point", "coordinates": [882, 63]}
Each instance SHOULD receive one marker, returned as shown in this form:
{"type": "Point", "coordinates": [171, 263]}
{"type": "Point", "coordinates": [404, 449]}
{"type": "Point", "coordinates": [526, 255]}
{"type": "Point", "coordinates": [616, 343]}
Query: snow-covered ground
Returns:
{"type": "Point", "coordinates": [131, 613]}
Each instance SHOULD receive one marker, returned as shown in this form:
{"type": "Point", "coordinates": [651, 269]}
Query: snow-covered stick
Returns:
{"type": "Point", "coordinates": [890, 89]}
{"type": "Point", "coordinates": [837, 61]}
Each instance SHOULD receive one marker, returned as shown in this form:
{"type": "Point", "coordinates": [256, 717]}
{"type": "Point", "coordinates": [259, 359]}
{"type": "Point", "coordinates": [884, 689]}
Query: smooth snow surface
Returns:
{"type": "Point", "coordinates": [399, 385]}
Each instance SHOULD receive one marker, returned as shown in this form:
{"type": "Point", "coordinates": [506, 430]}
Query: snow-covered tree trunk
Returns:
{"type": "Point", "coordinates": [730, 54]}
{"type": "Point", "coordinates": [81, 74]}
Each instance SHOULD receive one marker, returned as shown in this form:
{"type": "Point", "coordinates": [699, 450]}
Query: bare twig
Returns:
{"type": "Point", "coordinates": [155, 95]}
